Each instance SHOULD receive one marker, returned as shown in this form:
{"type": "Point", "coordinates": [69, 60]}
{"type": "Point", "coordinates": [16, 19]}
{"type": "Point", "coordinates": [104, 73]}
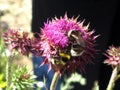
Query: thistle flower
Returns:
{"type": "Point", "coordinates": [113, 54]}
{"type": "Point", "coordinates": [18, 40]}
{"type": "Point", "coordinates": [66, 44]}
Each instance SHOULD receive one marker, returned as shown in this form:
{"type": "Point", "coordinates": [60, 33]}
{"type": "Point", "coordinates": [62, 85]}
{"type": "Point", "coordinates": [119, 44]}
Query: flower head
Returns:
{"type": "Point", "coordinates": [66, 44]}
{"type": "Point", "coordinates": [113, 54]}
{"type": "Point", "coordinates": [18, 40]}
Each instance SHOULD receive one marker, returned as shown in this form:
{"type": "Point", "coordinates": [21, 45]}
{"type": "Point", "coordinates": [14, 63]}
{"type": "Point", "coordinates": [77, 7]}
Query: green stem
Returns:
{"type": "Point", "coordinates": [8, 73]}
{"type": "Point", "coordinates": [112, 79]}
{"type": "Point", "coordinates": [54, 80]}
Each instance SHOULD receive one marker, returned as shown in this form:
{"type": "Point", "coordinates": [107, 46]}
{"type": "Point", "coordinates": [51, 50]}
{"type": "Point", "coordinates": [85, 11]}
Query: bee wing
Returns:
{"type": "Point", "coordinates": [80, 41]}
{"type": "Point", "coordinates": [75, 35]}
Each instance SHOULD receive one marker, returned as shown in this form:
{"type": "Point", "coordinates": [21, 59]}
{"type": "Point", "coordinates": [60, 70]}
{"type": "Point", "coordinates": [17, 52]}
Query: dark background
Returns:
{"type": "Point", "coordinates": [103, 16]}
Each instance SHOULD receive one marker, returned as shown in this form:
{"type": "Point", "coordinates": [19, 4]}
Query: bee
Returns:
{"type": "Point", "coordinates": [61, 60]}
{"type": "Point", "coordinates": [76, 50]}
{"type": "Point", "coordinates": [78, 44]}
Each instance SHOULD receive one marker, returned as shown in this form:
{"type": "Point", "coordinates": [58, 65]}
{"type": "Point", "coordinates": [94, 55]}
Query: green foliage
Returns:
{"type": "Point", "coordinates": [3, 57]}
{"type": "Point", "coordinates": [22, 79]}
{"type": "Point", "coordinates": [96, 86]}
{"type": "Point", "coordinates": [74, 78]}
{"type": "Point", "coordinates": [2, 81]}
{"type": "Point", "coordinates": [3, 60]}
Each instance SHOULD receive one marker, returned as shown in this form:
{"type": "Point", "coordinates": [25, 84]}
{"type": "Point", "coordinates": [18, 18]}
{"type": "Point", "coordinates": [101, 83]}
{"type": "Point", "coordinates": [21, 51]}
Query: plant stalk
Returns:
{"type": "Point", "coordinates": [112, 79]}
{"type": "Point", "coordinates": [55, 80]}
{"type": "Point", "coordinates": [9, 72]}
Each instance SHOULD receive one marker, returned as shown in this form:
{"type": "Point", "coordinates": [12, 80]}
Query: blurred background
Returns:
{"type": "Point", "coordinates": [103, 16]}
{"type": "Point", "coordinates": [17, 14]}
{"type": "Point", "coordinates": [14, 14]}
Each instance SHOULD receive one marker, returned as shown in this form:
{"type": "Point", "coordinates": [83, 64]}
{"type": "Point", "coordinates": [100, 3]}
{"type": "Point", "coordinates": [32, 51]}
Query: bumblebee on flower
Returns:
{"type": "Point", "coordinates": [66, 44]}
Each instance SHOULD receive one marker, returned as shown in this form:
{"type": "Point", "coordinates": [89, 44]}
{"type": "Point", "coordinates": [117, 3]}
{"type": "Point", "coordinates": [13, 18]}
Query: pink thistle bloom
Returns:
{"type": "Point", "coordinates": [66, 44]}
{"type": "Point", "coordinates": [113, 54]}
{"type": "Point", "coordinates": [18, 40]}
